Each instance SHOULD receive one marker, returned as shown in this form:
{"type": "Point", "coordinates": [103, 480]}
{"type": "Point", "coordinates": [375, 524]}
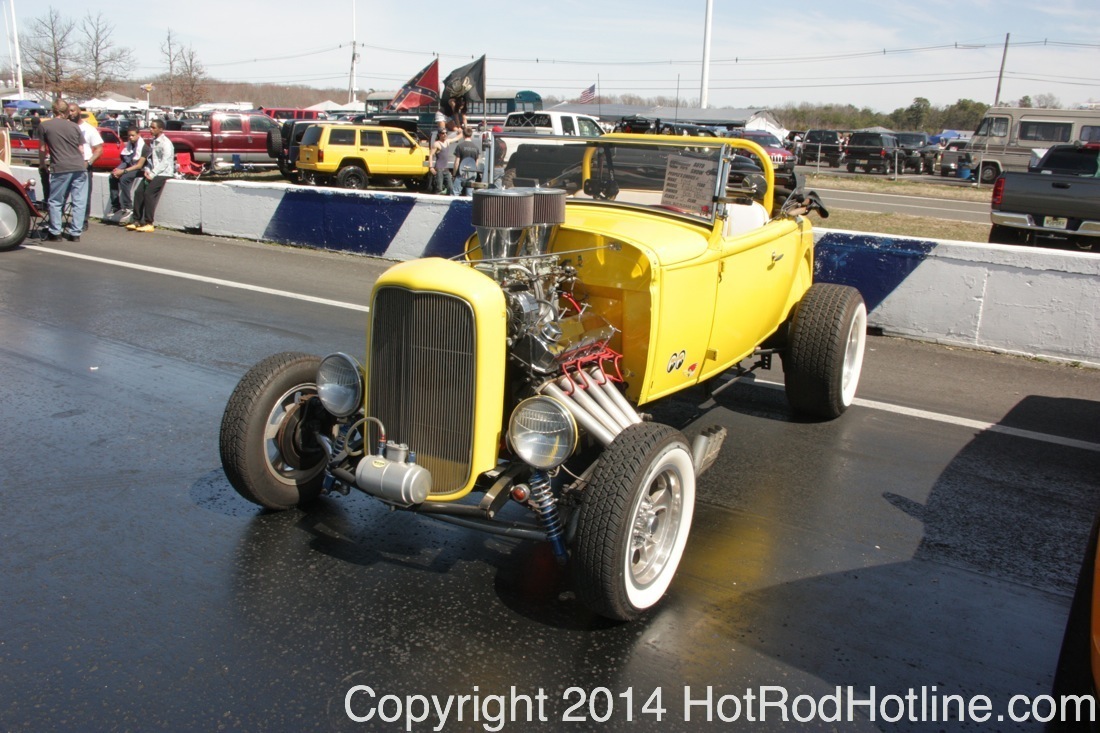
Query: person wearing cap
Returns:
{"type": "Point", "coordinates": [93, 148]}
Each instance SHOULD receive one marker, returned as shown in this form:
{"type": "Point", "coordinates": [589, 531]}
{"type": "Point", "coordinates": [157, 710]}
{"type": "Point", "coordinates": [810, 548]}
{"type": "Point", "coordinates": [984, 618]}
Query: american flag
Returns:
{"type": "Point", "coordinates": [588, 94]}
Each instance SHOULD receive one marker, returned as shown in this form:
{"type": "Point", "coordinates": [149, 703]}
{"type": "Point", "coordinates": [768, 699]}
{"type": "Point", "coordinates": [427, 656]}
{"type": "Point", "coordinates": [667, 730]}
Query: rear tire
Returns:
{"type": "Point", "coordinates": [634, 522]}
{"type": "Point", "coordinates": [353, 177]}
{"type": "Point", "coordinates": [988, 173]}
{"type": "Point", "coordinates": [266, 454]}
{"type": "Point", "coordinates": [824, 355]}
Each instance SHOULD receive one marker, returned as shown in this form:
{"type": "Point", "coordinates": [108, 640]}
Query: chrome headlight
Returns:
{"type": "Point", "coordinates": [542, 432]}
{"type": "Point", "coordinates": [340, 384]}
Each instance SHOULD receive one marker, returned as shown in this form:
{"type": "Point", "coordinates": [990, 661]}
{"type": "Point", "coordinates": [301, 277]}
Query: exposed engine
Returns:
{"type": "Point", "coordinates": [559, 342]}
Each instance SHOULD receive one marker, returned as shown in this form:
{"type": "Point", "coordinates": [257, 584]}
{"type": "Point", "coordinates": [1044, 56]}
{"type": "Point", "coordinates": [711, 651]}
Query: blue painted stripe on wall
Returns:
{"type": "Point", "coordinates": [346, 222]}
{"type": "Point", "coordinates": [875, 266]}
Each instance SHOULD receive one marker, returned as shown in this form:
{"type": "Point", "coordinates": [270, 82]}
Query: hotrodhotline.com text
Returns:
{"type": "Point", "coordinates": [696, 704]}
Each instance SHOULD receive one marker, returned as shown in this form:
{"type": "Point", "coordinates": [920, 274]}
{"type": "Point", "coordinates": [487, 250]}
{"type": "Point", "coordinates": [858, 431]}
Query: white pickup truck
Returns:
{"type": "Point", "coordinates": [547, 122]}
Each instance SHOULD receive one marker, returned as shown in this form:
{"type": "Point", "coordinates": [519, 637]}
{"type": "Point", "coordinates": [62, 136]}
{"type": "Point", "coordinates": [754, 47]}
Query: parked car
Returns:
{"type": "Point", "coordinates": [24, 148]}
{"type": "Point", "coordinates": [951, 155]}
{"type": "Point", "coordinates": [873, 151]}
{"type": "Point", "coordinates": [919, 155]}
{"type": "Point", "coordinates": [1056, 203]}
{"type": "Point", "coordinates": [513, 377]}
{"type": "Point", "coordinates": [822, 146]}
{"type": "Point", "coordinates": [223, 139]}
{"type": "Point", "coordinates": [351, 156]}
{"type": "Point", "coordinates": [549, 122]}
{"type": "Point", "coordinates": [112, 150]}
{"type": "Point", "coordinates": [783, 161]}
{"type": "Point", "coordinates": [656, 126]}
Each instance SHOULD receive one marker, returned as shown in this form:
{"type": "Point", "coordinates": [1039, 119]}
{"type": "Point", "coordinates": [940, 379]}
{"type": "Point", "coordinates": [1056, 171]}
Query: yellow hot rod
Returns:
{"type": "Point", "coordinates": [603, 274]}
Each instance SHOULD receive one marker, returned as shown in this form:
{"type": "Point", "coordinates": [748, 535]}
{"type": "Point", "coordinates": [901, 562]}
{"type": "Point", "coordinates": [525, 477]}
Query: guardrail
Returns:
{"type": "Point", "coordinates": [1018, 300]}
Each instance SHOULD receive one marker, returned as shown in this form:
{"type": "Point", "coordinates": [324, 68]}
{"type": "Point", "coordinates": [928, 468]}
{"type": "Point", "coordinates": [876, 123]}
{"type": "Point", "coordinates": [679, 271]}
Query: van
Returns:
{"type": "Point", "coordinates": [547, 122]}
{"type": "Point", "coordinates": [1007, 137]}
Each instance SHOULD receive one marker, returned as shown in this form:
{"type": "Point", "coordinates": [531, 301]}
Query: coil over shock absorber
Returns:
{"type": "Point", "coordinates": [542, 498]}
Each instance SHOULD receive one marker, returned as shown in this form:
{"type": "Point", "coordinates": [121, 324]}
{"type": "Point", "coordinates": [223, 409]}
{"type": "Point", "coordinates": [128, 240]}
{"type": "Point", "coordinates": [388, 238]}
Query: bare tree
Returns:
{"type": "Point", "coordinates": [191, 77]}
{"type": "Point", "coordinates": [170, 51]}
{"type": "Point", "coordinates": [101, 58]}
{"type": "Point", "coordinates": [1047, 101]}
{"type": "Point", "coordinates": [50, 54]}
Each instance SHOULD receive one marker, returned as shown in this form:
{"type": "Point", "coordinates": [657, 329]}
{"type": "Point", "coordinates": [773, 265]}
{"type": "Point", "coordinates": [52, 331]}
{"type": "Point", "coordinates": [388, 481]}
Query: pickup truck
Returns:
{"type": "Point", "coordinates": [216, 141]}
{"type": "Point", "coordinates": [873, 150]}
{"type": "Point", "coordinates": [1056, 203]}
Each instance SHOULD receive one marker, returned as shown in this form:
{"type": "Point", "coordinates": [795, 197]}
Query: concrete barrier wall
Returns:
{"type": "Point", "coordinates": [1033, 302]}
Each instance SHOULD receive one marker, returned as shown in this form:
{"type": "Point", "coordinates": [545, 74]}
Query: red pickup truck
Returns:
{"type": "Point", "coordinates": [223, 136]}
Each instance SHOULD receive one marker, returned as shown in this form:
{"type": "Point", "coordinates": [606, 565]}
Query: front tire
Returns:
{"type": "Point", "coordinates": [268, 455]}
{"type": "Point", "coordinates": [824, 355]}
{"type": "Point", "coordinates": [634, 522]}
{"type": "Point", "coordinates": [15, 219]}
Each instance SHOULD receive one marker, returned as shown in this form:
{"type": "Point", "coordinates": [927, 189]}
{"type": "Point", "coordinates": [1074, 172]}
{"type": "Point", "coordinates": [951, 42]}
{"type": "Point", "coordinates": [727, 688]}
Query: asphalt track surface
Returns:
{"type": "Point", "coordinates": [930, 539]}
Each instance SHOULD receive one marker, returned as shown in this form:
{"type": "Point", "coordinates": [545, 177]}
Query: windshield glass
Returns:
{"type": "Point", "coordinates": [670, 173]}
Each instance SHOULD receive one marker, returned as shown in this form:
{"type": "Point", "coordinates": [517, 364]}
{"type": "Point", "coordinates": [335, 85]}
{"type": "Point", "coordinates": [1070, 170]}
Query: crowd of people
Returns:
{"type": "Point", "coordinates": [69, 146]}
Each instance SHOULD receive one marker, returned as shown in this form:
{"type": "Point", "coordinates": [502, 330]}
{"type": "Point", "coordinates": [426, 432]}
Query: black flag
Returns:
{"type": "Point", "coordinates": [467, 83]}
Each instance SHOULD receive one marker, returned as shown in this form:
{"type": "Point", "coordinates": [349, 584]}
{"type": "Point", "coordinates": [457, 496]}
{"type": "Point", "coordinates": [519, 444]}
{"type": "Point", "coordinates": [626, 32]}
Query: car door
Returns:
{"type": "Point", "coordinates": [401, 152]}
{"type": "Point", "coordinates": [230, 137]}
{"type": "Point", "coordinates": [373, 151]}
{"type": "Point", "coordinates": [256, 138]}
{"type": "Point", "coordinates": [756, 272]}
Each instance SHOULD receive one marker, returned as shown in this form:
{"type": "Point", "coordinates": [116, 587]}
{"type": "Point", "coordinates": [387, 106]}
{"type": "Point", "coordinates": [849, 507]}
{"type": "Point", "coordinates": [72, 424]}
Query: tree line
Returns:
{"type": "Point", "coordinates": [68, 58]}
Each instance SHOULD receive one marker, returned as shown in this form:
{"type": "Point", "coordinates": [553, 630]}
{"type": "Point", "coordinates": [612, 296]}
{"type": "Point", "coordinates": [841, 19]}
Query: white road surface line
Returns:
{"type": "Point", "coordinates": [978, 425]}
{"type": "Point", "coordinates": [204, 279]}
{"type": "Point", "coordinates": [871, 404]}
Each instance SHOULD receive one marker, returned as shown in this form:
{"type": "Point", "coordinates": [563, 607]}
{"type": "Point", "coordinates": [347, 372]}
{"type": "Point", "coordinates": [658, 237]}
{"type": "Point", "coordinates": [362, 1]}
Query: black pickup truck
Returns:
{"type": "Point", "coordinates": [1056, 203]}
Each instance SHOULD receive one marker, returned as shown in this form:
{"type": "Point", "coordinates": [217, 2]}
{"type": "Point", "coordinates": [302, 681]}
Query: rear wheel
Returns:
{"type": "Point", "coordinates": [15, 219]}
{"type": "Point", "coordinates": [351, 176]}
{"type": "Point", "coordinates": [634, 522]}
{"type": "Point", "coordinates": [851, 167]}
{"type": "Point", "coordinates": [267, 444]}
{"type": "Point", "coordinates": [824, 355]}
{"type": "Point", "coordinates": [989, 173]}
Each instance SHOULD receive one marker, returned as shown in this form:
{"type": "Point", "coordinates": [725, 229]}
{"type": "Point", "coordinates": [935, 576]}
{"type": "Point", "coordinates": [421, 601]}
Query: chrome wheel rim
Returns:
{"type": "Point", "coordinates": [655, 525]}
{"type": "Point", "coordinates": [276, 463]}
{"type": "Point", "coordinates": [853, 355]}
{"type": "Point", "coordinates": [9, 221]}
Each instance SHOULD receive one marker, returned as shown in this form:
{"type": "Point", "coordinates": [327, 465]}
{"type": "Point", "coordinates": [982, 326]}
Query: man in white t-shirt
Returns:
{"type": "Point", "coordinates": [93, 148]}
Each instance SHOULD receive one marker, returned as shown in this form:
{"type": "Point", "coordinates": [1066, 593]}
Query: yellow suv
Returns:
{"type": "Point", "coordinates": [352, 156]}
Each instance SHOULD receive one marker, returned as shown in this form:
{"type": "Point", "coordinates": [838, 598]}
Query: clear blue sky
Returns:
{"type": "Point", "coordinates": [873, 54]}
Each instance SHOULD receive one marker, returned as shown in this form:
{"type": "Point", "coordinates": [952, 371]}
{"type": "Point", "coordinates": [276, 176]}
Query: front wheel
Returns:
{"type": "Point", "coordinates": [634, 522]}
{"type": "Point", "coordinates": [268, 449]}
{"type": "Point", "coordinates": [851, 167]}
{"type": "Point", "coordinates": [15, 219]}
{"type": "Point", "coordinates": [824, 355]}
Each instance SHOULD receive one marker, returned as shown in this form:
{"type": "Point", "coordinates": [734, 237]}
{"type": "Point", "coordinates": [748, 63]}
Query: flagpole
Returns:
{"type": "Point", "coordinates": [599, 102]}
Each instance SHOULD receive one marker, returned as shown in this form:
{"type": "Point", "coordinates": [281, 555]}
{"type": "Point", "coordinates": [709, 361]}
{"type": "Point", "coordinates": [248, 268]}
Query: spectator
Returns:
{"type": "Point", "coordinates": [441, 162]}
{"type": "Point", "coordinates": [163, 167]}
{"type": "Point", "coordinates": [465, 162]}
{"type": "Point", "coordinates": [62, 140]}
{"type": "Point", "coordinates": [124, 176]}
{"type": "Point", "coordinates": [93, 148]}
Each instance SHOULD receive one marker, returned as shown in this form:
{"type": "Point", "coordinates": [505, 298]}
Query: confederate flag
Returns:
{"type": "Point", "coordinates": [419, 91]}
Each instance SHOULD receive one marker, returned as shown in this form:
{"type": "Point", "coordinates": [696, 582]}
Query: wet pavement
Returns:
{"type": "Point", "coordinates": [139, 592]}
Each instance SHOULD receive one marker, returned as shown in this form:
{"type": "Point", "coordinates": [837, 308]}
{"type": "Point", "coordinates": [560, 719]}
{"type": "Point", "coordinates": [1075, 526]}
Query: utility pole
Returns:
{"type": "Point", "coordinates": [15, 45]}
{"type": "Point", "coordinates": [1000, 76]}
{"type": "Point", "coordinates": [353, 91]}
{"type": "Point", "coordinates": [704, 85]}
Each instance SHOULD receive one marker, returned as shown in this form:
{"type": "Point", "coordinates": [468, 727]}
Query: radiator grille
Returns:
{"type": "Point", "coordinates": [422, 369]}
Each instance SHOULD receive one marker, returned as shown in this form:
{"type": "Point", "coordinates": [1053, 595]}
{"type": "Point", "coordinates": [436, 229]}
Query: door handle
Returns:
{"type": "Point", "coordinates": [1060, 185]}
{"type": "Point", "coordinates": [776, 256]}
